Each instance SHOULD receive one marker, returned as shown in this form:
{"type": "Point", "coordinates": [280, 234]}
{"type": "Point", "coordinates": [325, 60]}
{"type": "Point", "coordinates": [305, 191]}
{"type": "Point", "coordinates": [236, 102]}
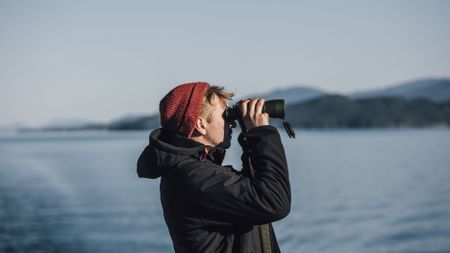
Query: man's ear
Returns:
{"type": "Point", "coordinates": [200, 126]}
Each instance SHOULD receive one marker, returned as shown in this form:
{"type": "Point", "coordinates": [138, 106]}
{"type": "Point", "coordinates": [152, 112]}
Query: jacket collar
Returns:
{"type": "Point", "coordinates": [181, 145]}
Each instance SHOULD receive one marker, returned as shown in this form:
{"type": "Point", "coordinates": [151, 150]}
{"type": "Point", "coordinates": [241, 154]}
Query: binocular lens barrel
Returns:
{"type": "Point", "coordinates": [275, 109]}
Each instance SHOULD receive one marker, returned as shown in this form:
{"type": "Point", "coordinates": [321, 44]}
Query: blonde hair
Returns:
{"type": "Point", "coordinates": [213, 91]}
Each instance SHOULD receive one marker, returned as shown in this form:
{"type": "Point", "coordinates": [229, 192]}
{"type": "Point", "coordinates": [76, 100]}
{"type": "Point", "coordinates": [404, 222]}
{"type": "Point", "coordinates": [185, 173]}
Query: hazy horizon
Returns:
{"type": "Point", "coordinates": [101, 60]}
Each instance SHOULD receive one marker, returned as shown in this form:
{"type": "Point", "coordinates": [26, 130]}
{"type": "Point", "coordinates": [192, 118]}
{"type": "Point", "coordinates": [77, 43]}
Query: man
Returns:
{"type": "Point", "coordinates": [209, 207]}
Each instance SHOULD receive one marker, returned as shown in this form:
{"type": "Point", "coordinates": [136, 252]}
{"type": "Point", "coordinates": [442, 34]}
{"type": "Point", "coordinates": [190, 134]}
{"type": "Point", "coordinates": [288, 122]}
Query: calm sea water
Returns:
{"type": "Point", "coordinates": [353, 191]}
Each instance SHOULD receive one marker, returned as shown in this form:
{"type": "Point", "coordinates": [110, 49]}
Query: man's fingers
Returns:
{"type": "Point", "coordinates": [252, 115]}
{"type": "Point", "coordinates": [244, 106]}
{"type": "Point", "coordinates": [259, 106]}
{"type": "Point", "coordinates": [251, 109]}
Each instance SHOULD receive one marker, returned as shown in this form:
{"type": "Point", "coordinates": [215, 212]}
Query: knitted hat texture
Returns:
{"type": "Point", "coordinates": [181, 107]}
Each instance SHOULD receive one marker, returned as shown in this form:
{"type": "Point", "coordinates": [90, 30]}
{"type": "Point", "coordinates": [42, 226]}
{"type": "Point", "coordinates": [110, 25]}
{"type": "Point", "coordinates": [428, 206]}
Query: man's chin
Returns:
{"type": "Point", "coordinates": [226, 143]}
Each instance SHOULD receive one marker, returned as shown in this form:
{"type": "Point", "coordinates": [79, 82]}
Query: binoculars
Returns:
{"type": "Point", "coordinates": [275, 109]}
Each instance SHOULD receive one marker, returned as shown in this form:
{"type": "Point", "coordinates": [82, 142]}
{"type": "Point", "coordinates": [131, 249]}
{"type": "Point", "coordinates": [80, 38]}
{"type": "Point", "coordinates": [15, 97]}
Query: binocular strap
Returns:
{"type": "Point", "coordinates": [289, 130]}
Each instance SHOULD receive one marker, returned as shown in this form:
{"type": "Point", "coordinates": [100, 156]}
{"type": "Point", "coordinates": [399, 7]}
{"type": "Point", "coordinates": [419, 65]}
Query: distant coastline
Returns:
{"type": "Point", "coordinates": [326, 112]}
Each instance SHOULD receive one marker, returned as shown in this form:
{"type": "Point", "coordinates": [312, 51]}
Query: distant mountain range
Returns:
{"type": "Point", "coordinates": [419, 103]}
{"type": "Point", "coordinates": [334, 111]}
{"type": "Point", "coordinates": [437, 90]}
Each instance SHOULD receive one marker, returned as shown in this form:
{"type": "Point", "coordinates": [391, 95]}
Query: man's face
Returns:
{"type": "Point", "coordinates": [218, 131]}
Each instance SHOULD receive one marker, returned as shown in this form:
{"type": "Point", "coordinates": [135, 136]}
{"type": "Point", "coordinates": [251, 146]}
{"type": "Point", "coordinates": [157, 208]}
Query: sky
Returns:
{"type": "Point", "coordinates": [102, 60]}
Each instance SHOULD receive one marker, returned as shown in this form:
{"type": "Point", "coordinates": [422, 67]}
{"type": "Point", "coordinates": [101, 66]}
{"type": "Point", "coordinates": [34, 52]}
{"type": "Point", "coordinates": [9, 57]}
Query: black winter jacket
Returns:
{"type": "Point", "coordinates": [213, 208]}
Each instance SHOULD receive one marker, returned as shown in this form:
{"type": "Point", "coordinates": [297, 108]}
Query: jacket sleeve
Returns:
{"type": "Point", "coordinates": [224, 195]}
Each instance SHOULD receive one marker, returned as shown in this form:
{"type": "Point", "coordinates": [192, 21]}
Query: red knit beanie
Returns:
{"type": "Point", "coordinates": [181, 107]}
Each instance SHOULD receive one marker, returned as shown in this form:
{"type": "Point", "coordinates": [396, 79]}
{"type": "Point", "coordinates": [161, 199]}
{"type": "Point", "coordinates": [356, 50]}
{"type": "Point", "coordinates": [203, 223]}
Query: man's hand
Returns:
{"type": "Point", "coordinates": [252, 114]}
